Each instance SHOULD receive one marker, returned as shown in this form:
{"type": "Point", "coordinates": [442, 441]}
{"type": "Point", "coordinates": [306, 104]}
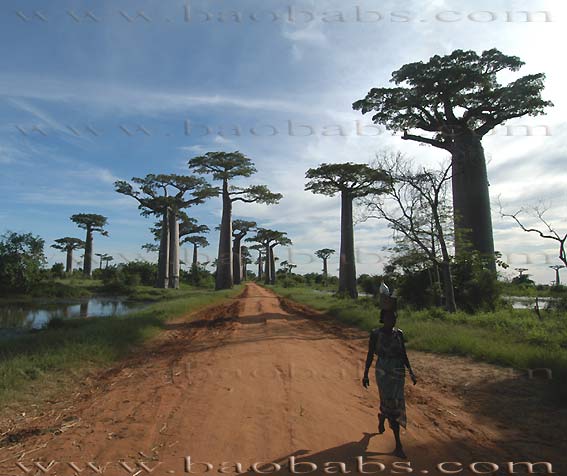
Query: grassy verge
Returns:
{"type": "Point", "coordinates": [514, 338]}
{"type": "Point", "coordinates": [32, 362]}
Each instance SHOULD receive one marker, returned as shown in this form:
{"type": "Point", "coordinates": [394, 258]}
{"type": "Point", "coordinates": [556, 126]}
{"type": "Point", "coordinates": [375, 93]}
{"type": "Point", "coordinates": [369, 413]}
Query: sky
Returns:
{"type": "Point", "coordinates": [93, 92]}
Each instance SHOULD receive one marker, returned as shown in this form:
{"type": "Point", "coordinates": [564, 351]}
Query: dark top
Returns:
{"type": "Point", "coordinates": [386, 345]}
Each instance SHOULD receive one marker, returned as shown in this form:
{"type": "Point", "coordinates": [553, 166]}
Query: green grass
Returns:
{"type": "Point", "coordinates": [31, 360]}
{"type": "Point", "coordinates": [508, 337]}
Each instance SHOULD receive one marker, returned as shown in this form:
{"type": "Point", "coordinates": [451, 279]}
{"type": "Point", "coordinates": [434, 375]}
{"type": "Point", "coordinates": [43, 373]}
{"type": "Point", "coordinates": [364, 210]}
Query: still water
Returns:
{"type": "Point", "coordinates": [35, 315]}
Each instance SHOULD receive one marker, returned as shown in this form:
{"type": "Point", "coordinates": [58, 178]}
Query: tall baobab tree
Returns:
{"type": "Point", "coordinates": [454, 101]}
{"type": "Point", "coordinates": [100, 256]}
{"type": "Point", "coordinates": [224, 167]}
{"type": "Point", "coordinates": [166, 196]}
{"type": "Point", "coordinates": [556, 268]}
{"type": "Point", "coordinates": [280, 239]}
{"type": "Point", "coordinates": [246, 259]}
{"type": "Point", "coordinates": [269, 239]}
{"type": "Point", "coordinates": [240, 228]}
{"type": "Point", "coordinates": [107, 259]}
{"type": "Point", "coordinates": [351, 181]}
{"type": "Point", "coordinates": [92, 223]}
{"type": "Point", "coordinates": [259, 248]}
{"type": "Point", "coordinates": [324, 254]}
{"type": "Point", "coordinates": [68, 245]}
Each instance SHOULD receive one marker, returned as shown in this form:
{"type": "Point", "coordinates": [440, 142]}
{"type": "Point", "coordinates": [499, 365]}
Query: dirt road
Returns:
{"type": "Point", "coordinates": [260, 380]}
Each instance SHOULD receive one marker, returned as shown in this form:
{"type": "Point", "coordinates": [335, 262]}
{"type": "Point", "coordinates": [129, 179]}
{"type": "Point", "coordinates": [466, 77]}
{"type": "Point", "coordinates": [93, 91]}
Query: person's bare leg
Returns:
{"type": "Point", "coordinates": [381, 420]}
{"type": "Point", "coordinates": [399, 451]}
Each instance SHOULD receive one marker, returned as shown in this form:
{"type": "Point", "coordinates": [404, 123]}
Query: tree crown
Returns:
{"type": "Point", "coordinates": [452, 94]}
{"type": "Point", "coordinates": [357, 179]}
{"type": "Point", "coordinates": [324, 253]}
{"type": "Point", "coordinates": [223, 165]}
{"type": "Point", "coordinates": [68, 243]}
{"type": "Point", "coordinates": [91, 221]}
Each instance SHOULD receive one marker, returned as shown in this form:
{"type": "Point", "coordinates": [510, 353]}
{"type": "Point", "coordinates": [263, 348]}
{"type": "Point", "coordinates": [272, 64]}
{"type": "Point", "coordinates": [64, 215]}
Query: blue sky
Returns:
{"type": "Point", "coordinates": [129, 87]}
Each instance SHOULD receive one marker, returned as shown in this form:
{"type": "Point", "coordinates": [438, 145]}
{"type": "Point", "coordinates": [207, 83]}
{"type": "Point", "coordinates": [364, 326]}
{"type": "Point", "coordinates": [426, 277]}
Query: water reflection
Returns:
{"type": "Point", "coordinates": [37, 315]}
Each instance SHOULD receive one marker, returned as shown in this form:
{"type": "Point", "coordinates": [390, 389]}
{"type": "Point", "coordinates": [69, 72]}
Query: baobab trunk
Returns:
{"type": "Point", "coordinates": [88, 261]}
{"type": "Point", "coordinates": [236, 262]}
{"type": "Point", "coordinates": [244, 271]}
{"type": "Point", "coordinates": [471, 199]}
{"type": "Point", "coordinates": [173, 250]}
{"type": "Point", "coordinates": [347, 267]}
{"type": "Point", "coordinates": [259, 265]}
{"type": "Point", "coordinates": [163, 260]}
{"type": "Point", "coordinates": [267, 270]}
{"type": "Point", "coordinates": [69, 264]}
{"type": "Point", "coordinates": [272, 265]}
{"type": "Point", "coordinates": [325, 273]}
{"type": "Point", "coordinates": [195, 256]}
{"type": "Point", "coordinates": [224, 261]}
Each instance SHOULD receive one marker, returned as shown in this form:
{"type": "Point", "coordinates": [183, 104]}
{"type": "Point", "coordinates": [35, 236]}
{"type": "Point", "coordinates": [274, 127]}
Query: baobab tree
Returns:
{"type": "Point", "coordinates": [197, 242]}
{"type": "Point", "coordinates": [166, 196]}
{"type": "Point", "coordinates": [259, 248]}
{"type": "Point", "coordinates": [92, 223]}
{"type": "Point", "coordinates": [287, 266]}
{"type": "Point", "coordinates": [240, 228]}
{"type": "Point", "coordinates": [246, 259]}
{"type": "Point", "coordinates": [556, 268]}
{"type": "Point", "coordinates": [100, 256]}
{"type": "Point", "coordinates": [351, 181]}
{"type": "Point", "coordinates": [269, 239]}
{"type": "Point", "coordinates": [68, 245]}
{"type": "Point", "coordinates": [224, 167]}
{"type": "Point", "coordinates": [107, 259]}
{"type": "Point", "coordinates": [324, 254]}
{"type": "Point", "coordinates": [454, 101]}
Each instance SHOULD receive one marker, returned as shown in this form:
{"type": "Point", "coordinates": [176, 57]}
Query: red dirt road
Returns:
{"type": "Point", "coordinates": [263, 379]}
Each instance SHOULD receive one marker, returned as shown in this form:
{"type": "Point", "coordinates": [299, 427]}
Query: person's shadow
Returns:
{"type": "Point", "coordinates": [315, 463]}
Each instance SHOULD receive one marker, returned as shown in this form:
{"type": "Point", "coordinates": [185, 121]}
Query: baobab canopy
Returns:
{"type": "Point", "coordinates": [453, 93]}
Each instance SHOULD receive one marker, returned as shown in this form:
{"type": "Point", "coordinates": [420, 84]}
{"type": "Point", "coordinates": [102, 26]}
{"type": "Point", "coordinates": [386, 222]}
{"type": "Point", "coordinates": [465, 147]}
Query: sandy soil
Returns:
{"type": "Point", "coordinates": [262, 379]}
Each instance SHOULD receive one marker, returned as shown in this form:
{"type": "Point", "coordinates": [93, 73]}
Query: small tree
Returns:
{"type": "Point", "coordinates": [351, 181]}
{"type": "Point", "coordinates": [226, 166]}
{"type": "Point", "coordinates": [414, 205]}
{"type": "Point", "coordinates": [21, 261]}
{"type": "Point", "coordinates": [324, 254]}
{"type": "Point", "coordinates": [544, 229]}
{"type": "Point", "coordinates": [454, 101]}
{"type": "Point", "coordinates": [68, 245]}
{"type": "Point", "coordinates": [92, 223]}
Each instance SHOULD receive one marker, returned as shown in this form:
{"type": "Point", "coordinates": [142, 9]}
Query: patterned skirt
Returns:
{"type": "Point", "coordinates": [390, 378]}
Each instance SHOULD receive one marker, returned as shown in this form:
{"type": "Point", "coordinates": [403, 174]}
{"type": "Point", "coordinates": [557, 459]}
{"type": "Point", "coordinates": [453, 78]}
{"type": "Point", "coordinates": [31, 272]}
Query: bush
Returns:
{"type": "Point", "coordinates": [21, 261]}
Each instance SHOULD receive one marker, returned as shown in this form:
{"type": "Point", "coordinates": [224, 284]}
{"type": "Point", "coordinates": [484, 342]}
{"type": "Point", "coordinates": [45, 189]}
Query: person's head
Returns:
{"type": "Point", "coordinates": [388, 318]}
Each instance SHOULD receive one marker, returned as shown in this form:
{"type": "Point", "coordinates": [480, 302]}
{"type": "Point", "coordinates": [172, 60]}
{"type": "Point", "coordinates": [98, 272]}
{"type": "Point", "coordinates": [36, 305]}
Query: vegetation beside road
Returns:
{"type": "Point", "coordinates": [68, 348]}
{"type": "Point", "coordinates": [509, 337]}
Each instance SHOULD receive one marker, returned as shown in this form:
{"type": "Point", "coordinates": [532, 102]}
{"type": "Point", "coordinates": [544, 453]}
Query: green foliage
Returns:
{"type": "Point", "coordinates": [58, 270]}
{"type": "Point", "coordinates": [91, 221]}
{"type": "Point", "coordinates": [223, 165]}
{"type": "Point", "coordinates": [33, 362]}
{"type": "Point", "coordinates": [428, 95]}
{"type": "Point", "coordinates": [198, 276]}
{"type": "Point", "coordinates": [476, 286]}
{"type": "Point", "coordinates": [357, 179]}
{"type": "Point", "coordinates": [510, 337]}
{"type": "Point", "coordinates": [21, 261]}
